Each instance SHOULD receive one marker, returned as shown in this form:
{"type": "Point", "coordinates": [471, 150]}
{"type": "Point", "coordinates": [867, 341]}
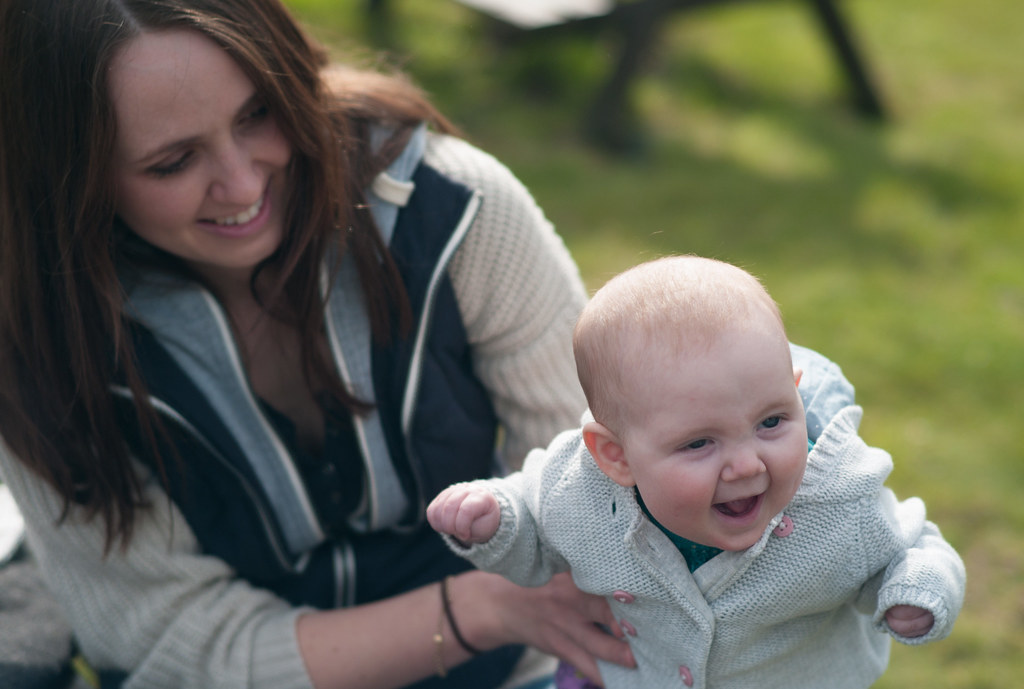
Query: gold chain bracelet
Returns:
{"type": "Point", "coordinates": [442, 671]}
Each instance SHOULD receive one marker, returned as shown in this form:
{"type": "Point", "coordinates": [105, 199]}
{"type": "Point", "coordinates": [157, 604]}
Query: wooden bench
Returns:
{"type": "Point", "coordinates": [637, 23]}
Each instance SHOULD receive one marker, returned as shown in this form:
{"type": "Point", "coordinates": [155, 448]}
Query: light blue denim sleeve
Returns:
{"type": "Point", "coordinates": [823, 388]}
{"type": "Point", "coordinates": [540, 683]}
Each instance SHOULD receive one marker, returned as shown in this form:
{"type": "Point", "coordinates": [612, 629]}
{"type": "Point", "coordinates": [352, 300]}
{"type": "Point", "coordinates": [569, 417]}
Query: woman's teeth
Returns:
{"type": "Point", "coordinates": [243, 217]}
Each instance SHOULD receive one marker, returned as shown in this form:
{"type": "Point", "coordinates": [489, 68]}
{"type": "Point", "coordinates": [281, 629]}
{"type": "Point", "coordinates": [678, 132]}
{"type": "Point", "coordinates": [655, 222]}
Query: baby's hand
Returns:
{"type": "Point", "coordinates": [468, 513]}
{"type": "Point", "coordinates": [909, 621]}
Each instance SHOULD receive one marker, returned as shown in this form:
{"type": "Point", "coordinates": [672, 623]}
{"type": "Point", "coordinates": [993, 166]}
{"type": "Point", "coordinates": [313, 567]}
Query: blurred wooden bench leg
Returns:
{"type": "Point", "coordinates": [865, 96]}
{"type": "Point", "coordinates": [610, 121]}
{"type": "Point", "coordinates": [379, 23]}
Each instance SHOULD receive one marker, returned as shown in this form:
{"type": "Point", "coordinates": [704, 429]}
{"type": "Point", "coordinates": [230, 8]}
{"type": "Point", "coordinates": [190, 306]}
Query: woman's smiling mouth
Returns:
{"type": "Point", "coordinates": [244, 224]}
{"type": "Point", "coordinates": [243, 217]}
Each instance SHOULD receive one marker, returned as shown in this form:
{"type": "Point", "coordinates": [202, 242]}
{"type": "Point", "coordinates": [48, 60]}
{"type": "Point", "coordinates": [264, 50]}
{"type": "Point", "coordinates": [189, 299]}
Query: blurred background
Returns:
{"type": "Point", "coordinates": [893, 245]}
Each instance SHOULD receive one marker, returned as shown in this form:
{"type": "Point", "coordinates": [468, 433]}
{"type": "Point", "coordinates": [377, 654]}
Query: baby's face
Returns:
{"type": "Point", "coordinates": [717, 441]}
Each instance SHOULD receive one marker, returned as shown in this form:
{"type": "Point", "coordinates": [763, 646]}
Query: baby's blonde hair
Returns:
{"type": "Point", "coordinates": [673, 304]}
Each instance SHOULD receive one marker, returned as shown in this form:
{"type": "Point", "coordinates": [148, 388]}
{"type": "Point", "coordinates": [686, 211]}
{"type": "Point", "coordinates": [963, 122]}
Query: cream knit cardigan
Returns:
{"type": "Point", "coordinates": [179, 619]}
{"type": "Point", "coordinates": [801, 609]}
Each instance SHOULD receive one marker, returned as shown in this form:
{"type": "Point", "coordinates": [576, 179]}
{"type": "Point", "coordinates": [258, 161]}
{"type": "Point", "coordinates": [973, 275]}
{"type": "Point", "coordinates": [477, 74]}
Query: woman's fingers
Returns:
{"type": "Point", "coordinates": [592, 630]}
{"type": "Point", "coordinates": [591, 607]}
{"type": "Point", "coordinates": [559, 619]}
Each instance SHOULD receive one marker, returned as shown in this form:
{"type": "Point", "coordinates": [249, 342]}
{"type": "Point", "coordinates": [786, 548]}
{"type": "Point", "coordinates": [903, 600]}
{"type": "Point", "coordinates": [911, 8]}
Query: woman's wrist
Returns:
{"type": "Point", "coordinates": [392, 642]}
{"type": "Point", "coordinates": [473, 602]}
{"type": "Point", "coordinates": [449, 616]}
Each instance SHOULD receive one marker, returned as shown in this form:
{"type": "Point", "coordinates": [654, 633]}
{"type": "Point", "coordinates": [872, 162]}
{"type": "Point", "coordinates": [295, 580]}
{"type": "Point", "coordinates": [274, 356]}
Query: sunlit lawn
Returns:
{"type": "Point", "coordinates": [895, 248]}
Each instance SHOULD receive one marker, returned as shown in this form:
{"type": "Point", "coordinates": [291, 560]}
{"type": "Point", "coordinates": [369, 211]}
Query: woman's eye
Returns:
{"type": "Point", "coordinates": [771, 422]}
{"type": "Point", "coordinates": [258, 113]}
{"type": "Point", "coordinates": [175, 166]}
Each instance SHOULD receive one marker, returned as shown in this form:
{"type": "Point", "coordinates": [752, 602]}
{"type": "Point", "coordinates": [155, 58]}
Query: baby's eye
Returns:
{"type": "Point", "coordinates": [696, 444]}
{"type": "Point", "coordinates": [771, 422]}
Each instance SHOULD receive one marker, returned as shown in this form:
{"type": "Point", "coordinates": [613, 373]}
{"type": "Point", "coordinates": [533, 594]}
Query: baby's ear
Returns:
{"type": "Point", "coordinates": [606, 448]}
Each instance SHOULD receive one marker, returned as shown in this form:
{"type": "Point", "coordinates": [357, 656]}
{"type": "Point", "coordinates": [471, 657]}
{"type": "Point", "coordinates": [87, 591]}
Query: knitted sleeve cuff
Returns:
{"type": "Point", "coordinates": [892, 596]}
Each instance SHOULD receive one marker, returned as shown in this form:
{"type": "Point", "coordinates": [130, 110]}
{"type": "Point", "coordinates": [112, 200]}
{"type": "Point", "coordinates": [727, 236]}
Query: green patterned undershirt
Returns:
{"type": "Point", "coordinates": [695, 554]}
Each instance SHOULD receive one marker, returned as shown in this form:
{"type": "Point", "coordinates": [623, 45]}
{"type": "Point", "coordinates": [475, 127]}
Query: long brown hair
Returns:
{"type": "Point", "coordinates": [62, 334]}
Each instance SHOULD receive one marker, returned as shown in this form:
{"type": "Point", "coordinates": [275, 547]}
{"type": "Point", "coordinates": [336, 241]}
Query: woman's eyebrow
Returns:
{"type": "Point", "coordinates": [165, 148]}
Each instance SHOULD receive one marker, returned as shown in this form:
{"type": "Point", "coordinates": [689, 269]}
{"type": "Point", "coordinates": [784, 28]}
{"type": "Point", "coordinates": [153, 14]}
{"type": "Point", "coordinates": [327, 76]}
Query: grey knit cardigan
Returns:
{"type": "Point", "coordinates": [804, 607]}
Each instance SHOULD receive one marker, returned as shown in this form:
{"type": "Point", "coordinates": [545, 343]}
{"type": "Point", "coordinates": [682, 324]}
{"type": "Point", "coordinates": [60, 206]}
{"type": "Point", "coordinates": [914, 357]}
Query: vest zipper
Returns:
{"type": "Point", "coordinates": [298, 486]}
{"type": "Point", "coordinates": [278, 548]}
{"type": "Point", "coordinates": [416, 362]}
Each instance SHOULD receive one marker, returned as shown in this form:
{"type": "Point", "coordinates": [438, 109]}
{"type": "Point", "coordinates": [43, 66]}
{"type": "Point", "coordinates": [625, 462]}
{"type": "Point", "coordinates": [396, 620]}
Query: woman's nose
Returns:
{"type": "Point", "coordinates": [237, 180]}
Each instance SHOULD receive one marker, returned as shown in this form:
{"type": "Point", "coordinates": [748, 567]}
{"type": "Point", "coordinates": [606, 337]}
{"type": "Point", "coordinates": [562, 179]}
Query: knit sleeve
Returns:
{"type": "Point", "coordinates": [926, 572]}
{"type": "Point", "coordinates": [519, 294]}
{"type": "Point", "coordinates": [158, 610]}
{"type": "Point", "coordinates": [903, 557]}
{"type": "Point", "coordinates": [520, 550]}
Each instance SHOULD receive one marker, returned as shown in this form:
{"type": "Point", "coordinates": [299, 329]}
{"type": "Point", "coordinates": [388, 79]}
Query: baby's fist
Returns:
{"type": "Point", "coordinates": [909, 621]}
{"type": "Point", "coordinates": [468, 513]}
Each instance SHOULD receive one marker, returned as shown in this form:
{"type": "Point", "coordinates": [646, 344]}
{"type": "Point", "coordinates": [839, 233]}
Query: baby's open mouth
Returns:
{"type": "Point", "coordinates": [738, 508]}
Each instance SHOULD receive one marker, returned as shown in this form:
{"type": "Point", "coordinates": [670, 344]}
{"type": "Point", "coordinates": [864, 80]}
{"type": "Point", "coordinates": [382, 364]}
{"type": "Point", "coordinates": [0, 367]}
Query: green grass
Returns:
{"type": "Point", "coordinates": [895, 248]}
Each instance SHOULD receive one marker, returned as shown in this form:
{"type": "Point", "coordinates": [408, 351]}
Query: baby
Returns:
{"type": "Point", "coordinates": [733, 551]}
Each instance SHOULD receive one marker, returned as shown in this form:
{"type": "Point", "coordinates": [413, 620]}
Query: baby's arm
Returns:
{"type": "Point", "coordinates": [467, 512]}
{"type": "Point", "coordinates": [922, 587]}
{"type": "Point", "coordinates": [499, 529]}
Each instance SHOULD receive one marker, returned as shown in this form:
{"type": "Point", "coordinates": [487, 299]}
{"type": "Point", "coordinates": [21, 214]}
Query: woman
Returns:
{"type": "Point", "coordinates": [252, 316]}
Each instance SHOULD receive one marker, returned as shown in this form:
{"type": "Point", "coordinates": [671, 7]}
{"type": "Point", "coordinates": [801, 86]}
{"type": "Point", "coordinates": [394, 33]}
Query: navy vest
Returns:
{"type": "Point", "coordinates": [449, 436]}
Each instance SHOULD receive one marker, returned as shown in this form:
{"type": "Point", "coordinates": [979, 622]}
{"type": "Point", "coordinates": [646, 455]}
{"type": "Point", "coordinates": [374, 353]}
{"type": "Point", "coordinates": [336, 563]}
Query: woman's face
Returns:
{"type": "Point", "coordinates": [201, 166]}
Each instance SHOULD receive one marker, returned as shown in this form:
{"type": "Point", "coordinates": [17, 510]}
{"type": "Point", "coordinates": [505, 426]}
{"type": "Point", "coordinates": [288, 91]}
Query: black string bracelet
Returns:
{"type": "Point", "coordinates": [447, 605]}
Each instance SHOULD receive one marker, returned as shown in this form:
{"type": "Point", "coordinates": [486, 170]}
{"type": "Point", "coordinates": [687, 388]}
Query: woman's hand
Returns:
{"type": "Point", "coordinates": [390, 643]}
{"type": "Point", "coordinates": [556, 618]}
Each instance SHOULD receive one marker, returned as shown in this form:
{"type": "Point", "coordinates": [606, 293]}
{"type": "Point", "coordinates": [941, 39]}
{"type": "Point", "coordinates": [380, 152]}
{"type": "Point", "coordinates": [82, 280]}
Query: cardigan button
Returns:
{"type": "Point", "coordinates": [784, 528]}
{"type": "Point", "coordinates": [627, 627]}
{"type": "Point", "coordinates": [686, 675]}
{"type": "Point", "coordinates": [623, 596]}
